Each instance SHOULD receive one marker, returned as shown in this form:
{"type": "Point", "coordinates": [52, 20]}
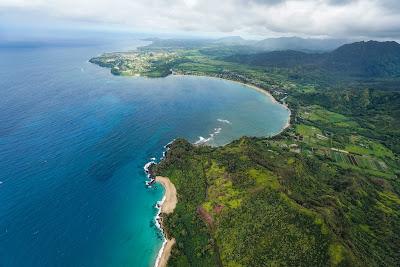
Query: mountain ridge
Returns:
{"type": "Point", "coordinates": [359, 59]}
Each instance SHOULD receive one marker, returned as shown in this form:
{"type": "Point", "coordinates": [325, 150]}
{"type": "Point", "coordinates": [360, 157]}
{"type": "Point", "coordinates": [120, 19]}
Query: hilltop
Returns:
{"type": "Point", "coordinates": [360, 60]}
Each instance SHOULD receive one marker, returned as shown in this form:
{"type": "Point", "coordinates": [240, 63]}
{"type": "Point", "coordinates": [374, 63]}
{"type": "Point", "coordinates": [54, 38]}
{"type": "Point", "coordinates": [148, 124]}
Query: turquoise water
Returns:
{"type": "Point", "coordinates": [73, 143]}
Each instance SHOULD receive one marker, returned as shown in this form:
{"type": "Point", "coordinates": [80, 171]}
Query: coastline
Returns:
{"type": "Point", "coordinates": [251, 86]}
{"type": "Point", "coordinates": [268, 94]}
{"type": "Point", "coordinates": [168, 202]}
{"type": "Point", "coordinates": [166, 206]}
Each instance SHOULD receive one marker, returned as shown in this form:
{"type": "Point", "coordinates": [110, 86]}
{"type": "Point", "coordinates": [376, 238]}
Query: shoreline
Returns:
{"type": "Point", "coordinates": [268, 94]}
{"type": "Point", "coordinates": [249, 85]}
{"type": "Point", "coordinates": [166, 206]}
{"type": "Point", "coordinates": [254, 87]}
{"type": "Point", "coordinates": [169, 200]}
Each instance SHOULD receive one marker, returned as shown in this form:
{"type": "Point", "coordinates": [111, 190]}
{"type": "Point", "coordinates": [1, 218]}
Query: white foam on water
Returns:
{"type": "Point", "coordinates": [160, 252]}
{"type": "Point", "coordinates": [147, 166]}
{"type": "Point", "coordinates": [224, 121]}
{"type": "Point", "coordinates": [203, 140]}
{"type": "Point", "coordinates": [158, 225]}
{"type": "Point", "coordinates": [159, 203]}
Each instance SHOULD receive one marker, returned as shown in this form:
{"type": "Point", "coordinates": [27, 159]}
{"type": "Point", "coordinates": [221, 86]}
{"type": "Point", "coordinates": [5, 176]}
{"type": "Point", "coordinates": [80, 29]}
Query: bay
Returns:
{"type": "Point", "coordinates": [73, 143]}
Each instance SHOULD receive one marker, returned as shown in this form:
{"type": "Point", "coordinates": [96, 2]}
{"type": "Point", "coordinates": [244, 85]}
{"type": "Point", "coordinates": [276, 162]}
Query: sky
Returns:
{"type": "Point", "coordinates": [255, 19]}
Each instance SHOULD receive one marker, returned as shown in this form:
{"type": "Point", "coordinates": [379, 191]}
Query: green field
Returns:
{"type": "Point", "coordinates": [321, 115]}
{"type": "Point", "coordinates": [364, 146]}
{"type": "Point", "coordinates": [306, 130]}
{"type": "Point", "coordinates": [261, 205]}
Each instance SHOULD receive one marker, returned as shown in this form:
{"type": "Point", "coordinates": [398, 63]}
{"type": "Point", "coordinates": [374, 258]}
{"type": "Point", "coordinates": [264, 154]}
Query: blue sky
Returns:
{"type": "Point", "coordinates": [375, 19]}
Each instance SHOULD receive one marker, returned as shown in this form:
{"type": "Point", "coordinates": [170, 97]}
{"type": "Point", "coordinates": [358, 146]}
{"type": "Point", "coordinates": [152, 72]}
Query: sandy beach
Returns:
{"type": "Point", "coordinates": [168, 205]}
{"type": "Point", "coordinates": [268, 94]}
{"type": "Point", "coordinates": [170, 201]}
{"type": "Point", "coordinates": [251, 86]}
{"type": "Point", "coordinates": [166, 252]}
{"type": "Point", "coordinates": [170, 198]}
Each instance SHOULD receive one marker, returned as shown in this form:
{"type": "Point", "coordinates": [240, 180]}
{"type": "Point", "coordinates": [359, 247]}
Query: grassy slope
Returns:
{"type": "Point", "coordinates": [252, 203]}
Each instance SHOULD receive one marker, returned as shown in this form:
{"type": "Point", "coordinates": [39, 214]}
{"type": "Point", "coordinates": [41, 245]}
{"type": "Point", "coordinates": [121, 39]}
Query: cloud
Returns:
{"type": "Point", "coordinates": [334, 18]}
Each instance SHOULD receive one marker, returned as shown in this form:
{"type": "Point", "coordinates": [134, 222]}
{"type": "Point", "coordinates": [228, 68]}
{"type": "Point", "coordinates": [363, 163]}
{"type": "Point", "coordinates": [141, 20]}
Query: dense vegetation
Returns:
{"type": "Point", "coordinates": [376, 112]}
{"type": "Point", "coordinates": [326, 192]}
{"type": "Point", "coordinates": [263, 205]}
{"type": "Point", "coordinates": [361, 62]}
{"type": "Point", "coordinates": [323, 193]}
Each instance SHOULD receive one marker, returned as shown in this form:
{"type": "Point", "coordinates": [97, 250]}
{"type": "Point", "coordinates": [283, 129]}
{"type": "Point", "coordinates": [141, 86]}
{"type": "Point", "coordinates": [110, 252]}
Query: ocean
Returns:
{"type": "Point", "coordinates": [73, 143]}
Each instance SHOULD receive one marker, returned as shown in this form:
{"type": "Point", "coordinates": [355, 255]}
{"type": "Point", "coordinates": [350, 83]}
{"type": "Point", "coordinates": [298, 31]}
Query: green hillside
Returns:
{"type": "Point", "coordinates": [361, 60]}
{"type": "Point", "coordinates": [255, 202]}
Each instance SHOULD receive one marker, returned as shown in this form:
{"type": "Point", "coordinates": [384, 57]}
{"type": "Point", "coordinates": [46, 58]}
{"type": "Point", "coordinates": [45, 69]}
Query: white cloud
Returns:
{"type": "Point", "coordinates": [338, 18]}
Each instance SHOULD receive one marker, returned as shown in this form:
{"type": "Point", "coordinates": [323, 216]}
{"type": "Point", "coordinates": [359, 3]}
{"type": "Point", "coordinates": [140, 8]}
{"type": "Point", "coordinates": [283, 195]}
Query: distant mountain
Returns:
{"type": "Point", "coordinates": [285, 43]}
{"type": "Point", "coordinates": [166, 44]}
{"type": "Point", "coordinates": [299, 44]}
{"type": "Point", "coordinates": [270, 44]}
{"type": "Point", "coordinates": [280, 59]}
{"type": "Point", "coordinates": [370, 59]}
{"type": "Point", "coordinates": [234, 40]}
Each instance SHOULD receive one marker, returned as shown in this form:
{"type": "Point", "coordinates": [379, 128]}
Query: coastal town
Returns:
{"type": "Point", "coordinates": [149, 64]}
{"type": "Point", "coordinates": [155, 64]}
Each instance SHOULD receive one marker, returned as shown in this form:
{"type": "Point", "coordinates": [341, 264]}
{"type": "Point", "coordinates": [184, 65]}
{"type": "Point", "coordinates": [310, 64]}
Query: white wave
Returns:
{"type": "Point", "coordinates": [159, 204]}
{"type": "Point", "coordinates": [160, 252]}
{"type": "Point", "coordinates": [167, 145]}
{"type": "Point", "coordinates": [203, 140]}
{"type": "Point", "coordinates": [150, 182]}
{"type": "Point", "coordinates": [147, 166]}
{"type": "Point", "coordinates": [224, 121]}
{"type": "Point", "coordinates": [158, 225]}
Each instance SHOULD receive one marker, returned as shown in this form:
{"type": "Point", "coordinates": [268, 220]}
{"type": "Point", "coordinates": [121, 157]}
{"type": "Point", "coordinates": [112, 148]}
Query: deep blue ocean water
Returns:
{"type": "Point", "coordinates": [73, 143]}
